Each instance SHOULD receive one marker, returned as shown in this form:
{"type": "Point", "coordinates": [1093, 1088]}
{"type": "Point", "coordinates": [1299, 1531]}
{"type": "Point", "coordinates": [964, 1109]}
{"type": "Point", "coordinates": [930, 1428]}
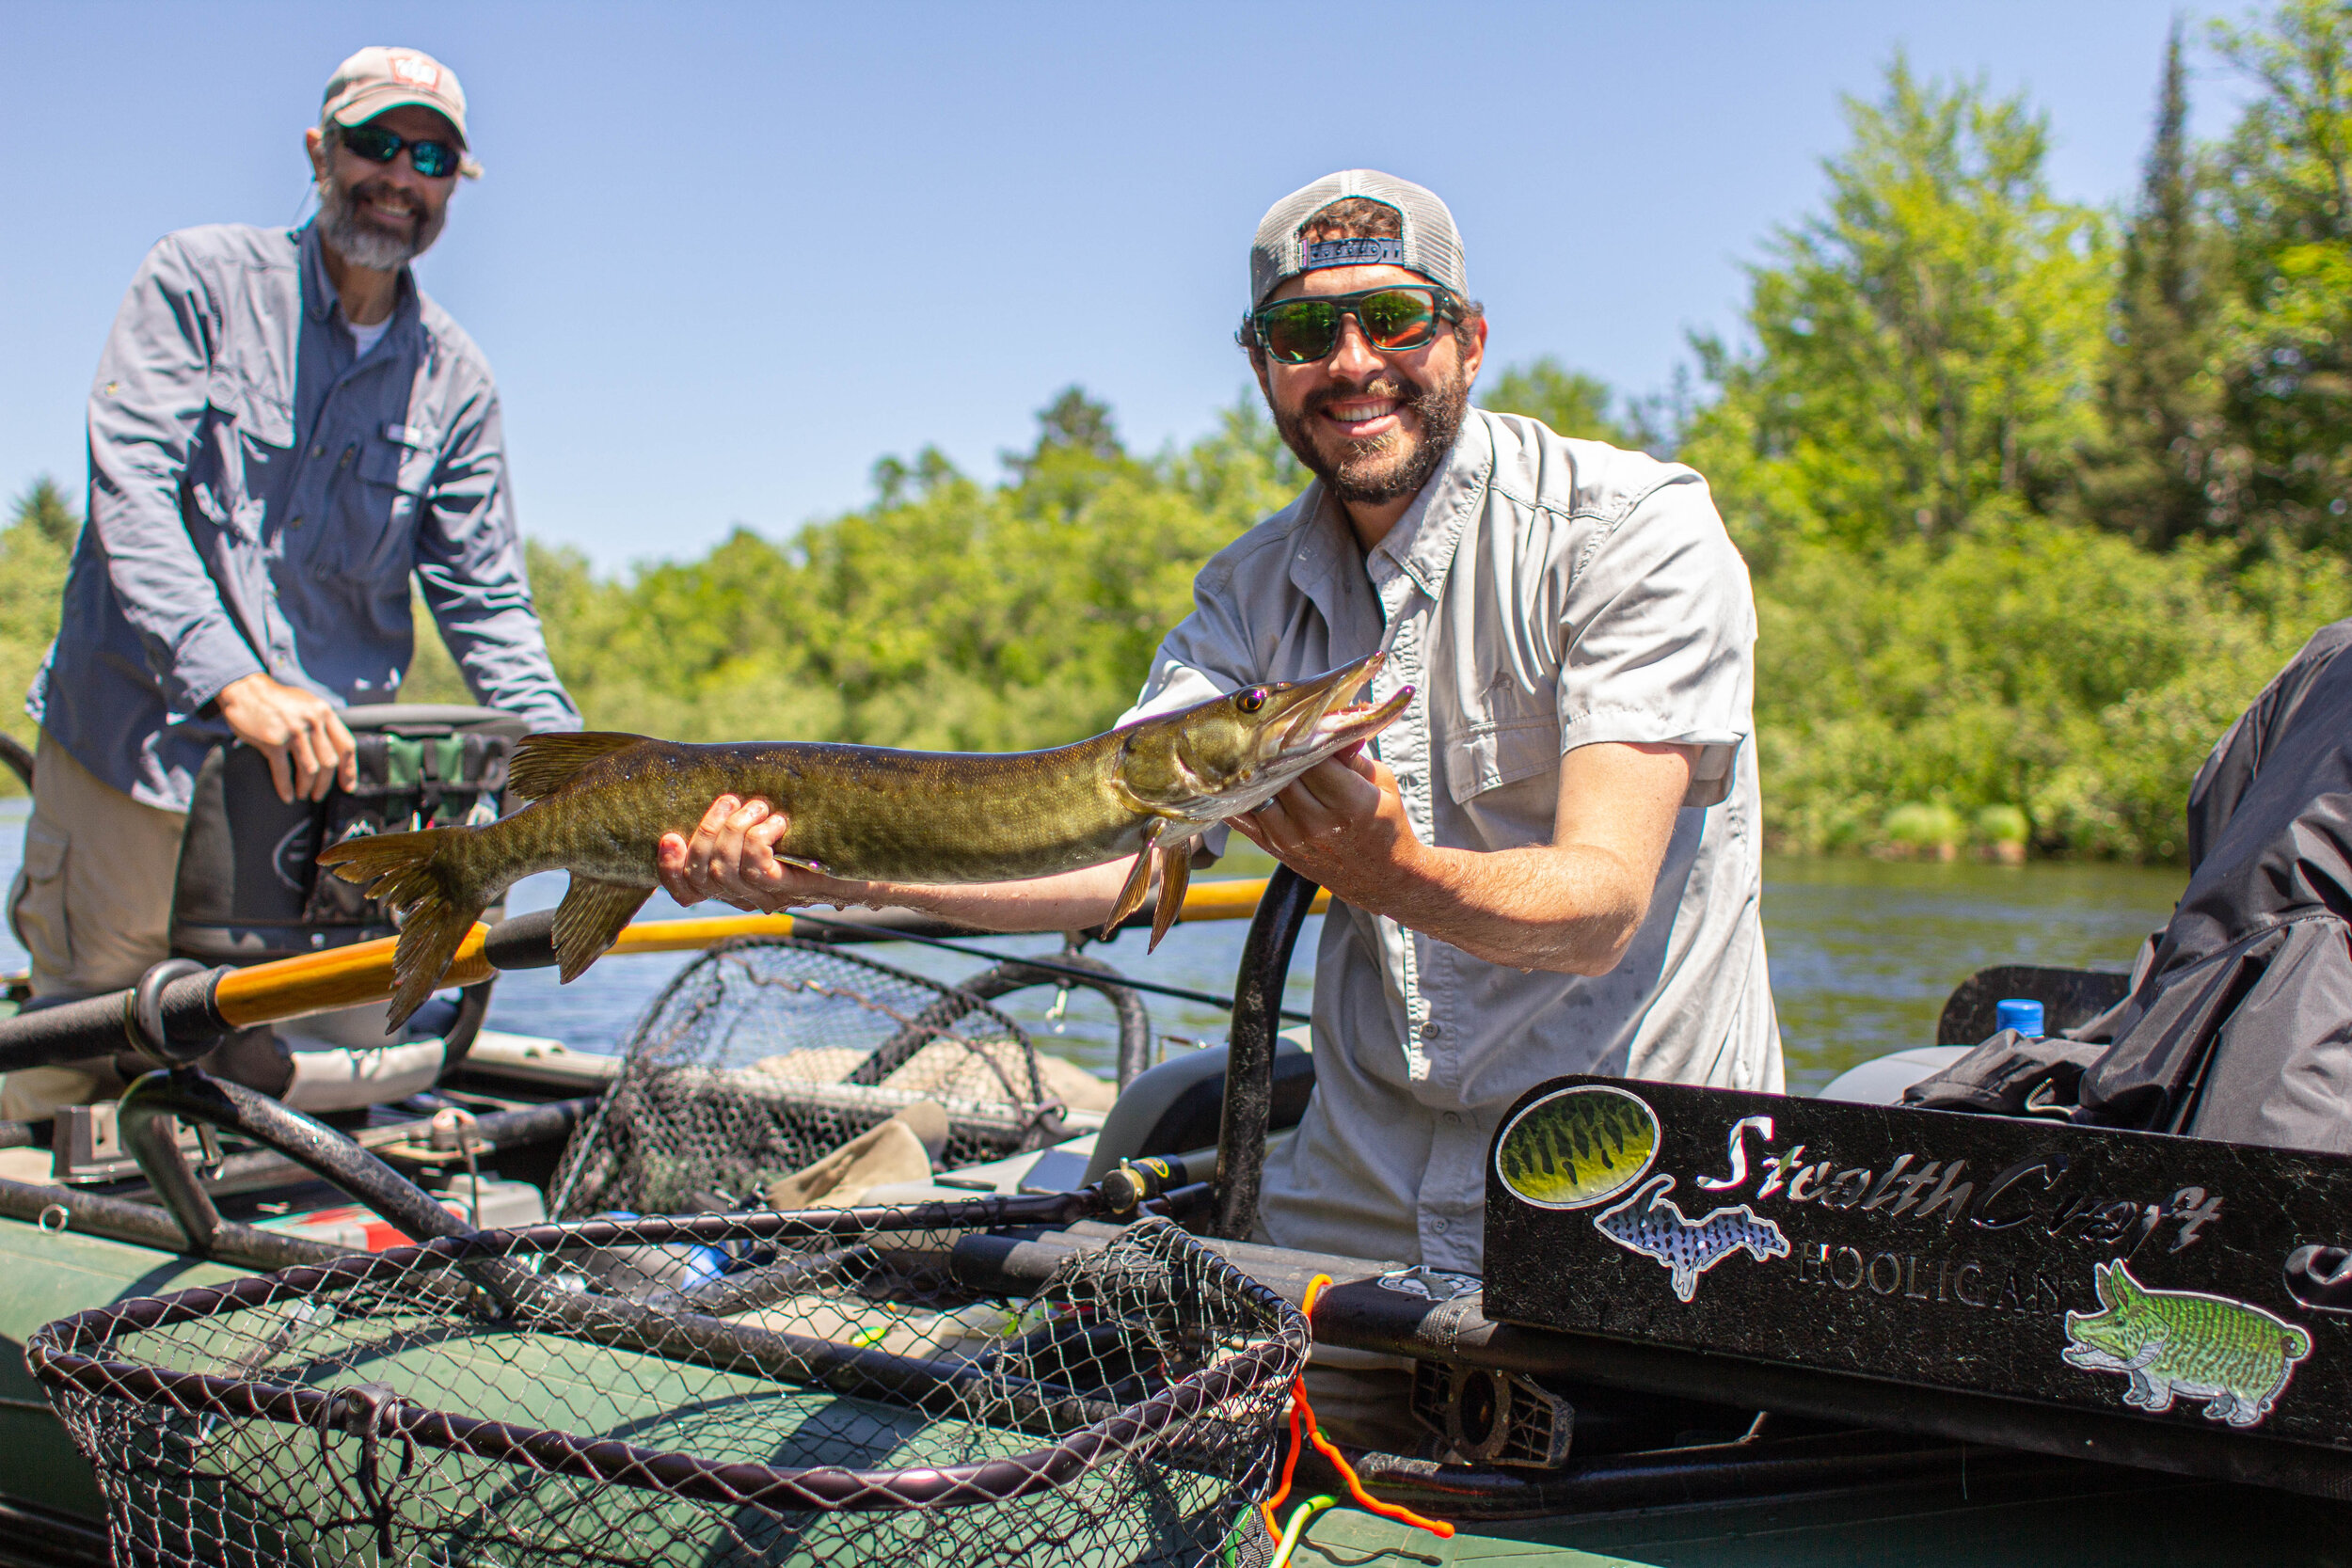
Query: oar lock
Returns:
{"type": "Point", "coordinates": [159, 1001]}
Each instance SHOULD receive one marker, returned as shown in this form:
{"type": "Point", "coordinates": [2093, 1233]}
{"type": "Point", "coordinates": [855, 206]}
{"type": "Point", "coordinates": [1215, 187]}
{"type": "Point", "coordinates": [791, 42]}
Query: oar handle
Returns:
{"type": "Point", "coordinates": [178, 1011]}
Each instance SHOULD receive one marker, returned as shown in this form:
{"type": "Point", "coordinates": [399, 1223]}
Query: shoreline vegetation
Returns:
{"type": "Point", "coordinates": [2036, 495]}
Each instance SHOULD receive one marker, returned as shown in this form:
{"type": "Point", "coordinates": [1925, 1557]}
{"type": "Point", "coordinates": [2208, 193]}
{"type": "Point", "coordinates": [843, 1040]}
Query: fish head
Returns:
{"type": "Point", "coordinates": [1234, 753]}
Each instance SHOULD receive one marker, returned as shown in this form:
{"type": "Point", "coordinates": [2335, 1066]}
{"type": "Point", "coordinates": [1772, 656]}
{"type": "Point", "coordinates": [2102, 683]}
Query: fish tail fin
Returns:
{"type": "Point", "coordinates": [416, 877]}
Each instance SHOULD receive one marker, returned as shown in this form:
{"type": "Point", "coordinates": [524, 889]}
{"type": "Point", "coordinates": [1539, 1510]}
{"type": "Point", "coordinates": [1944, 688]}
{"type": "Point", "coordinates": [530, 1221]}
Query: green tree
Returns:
{"type": "Point", "coordinates": [1570, 402]}
{"type": "Point", "coordinates": [2156, 472]}
{"type": "Point", "coordinates": [35, 547]}
{"type": "Point", "coordinates": [2285, 198]}
{"type": "Point", "coordinates": [1925, 347]}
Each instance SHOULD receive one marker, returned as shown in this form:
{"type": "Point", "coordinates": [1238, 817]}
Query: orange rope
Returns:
{"type": "Point", "coordinates": [1365, 1499]}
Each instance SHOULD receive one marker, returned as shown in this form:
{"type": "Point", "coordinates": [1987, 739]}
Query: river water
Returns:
{"type": "Point", "coordinates": [1862, 955]}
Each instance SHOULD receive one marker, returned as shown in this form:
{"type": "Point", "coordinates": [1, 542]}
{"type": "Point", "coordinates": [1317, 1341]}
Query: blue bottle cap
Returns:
{"type": "Point", "coordinates": [2019, 1013]}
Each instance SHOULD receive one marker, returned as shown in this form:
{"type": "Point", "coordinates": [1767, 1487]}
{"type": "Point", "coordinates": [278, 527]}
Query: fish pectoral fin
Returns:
{"type": "Point", "coordinates": [589, 921]}
{"type": "Point", "coordinates": [546, 763]}
{"type": "Point", "coordinates": [1175, 871]}
{"type": "Point", "coordinates": [1138, 880]}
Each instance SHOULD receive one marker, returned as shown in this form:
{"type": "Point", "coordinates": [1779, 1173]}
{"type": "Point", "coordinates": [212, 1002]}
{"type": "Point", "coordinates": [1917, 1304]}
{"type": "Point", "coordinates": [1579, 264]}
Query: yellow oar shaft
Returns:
{"type": "Point", "coordinates": [362, 973]}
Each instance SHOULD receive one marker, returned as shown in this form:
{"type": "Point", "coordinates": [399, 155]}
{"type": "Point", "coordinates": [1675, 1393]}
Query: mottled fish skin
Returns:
{"type": "Point", "coordinates": [1581, 1144]}
{"type": "Point", "coordinates": [1652, 1224]}
{"type": "Point", "coordinates": [600, 805]}
{"type": "Point", "coordinates": [2232, 1355]}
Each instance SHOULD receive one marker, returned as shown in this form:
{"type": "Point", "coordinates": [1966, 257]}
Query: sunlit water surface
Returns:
{"type": "Point", "coordinates": [1863, 956]}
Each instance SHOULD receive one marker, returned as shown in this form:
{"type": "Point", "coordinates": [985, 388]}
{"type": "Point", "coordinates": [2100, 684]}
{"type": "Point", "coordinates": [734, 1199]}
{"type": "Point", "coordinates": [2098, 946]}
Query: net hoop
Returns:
{"type": "Point", "coordinates": [60, 1355]}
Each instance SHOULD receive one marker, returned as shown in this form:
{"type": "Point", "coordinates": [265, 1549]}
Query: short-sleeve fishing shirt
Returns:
{"type": "Point", "coordinates": [1540, 595]}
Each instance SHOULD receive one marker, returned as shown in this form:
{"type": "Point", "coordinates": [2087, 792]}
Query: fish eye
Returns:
{"type": "Point", "coordinates": [1252, 700]}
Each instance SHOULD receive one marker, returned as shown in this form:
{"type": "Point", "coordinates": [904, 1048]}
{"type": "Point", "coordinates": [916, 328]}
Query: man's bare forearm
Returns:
{"type": "Point", "coordinates": [1069, 902]}
{"type": "Point", "coordinates": [1571, 909]}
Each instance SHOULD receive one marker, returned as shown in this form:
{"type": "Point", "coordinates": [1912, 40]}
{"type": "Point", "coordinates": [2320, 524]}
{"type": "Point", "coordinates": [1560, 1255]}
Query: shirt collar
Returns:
{"type": "Point", "coordinates": [319, 297]}
{"type": "Point", "coordinates": [1421, 544]}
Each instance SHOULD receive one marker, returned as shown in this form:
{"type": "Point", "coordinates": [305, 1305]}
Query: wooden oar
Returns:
{"type": "Point", "coordinates": [362, 973]}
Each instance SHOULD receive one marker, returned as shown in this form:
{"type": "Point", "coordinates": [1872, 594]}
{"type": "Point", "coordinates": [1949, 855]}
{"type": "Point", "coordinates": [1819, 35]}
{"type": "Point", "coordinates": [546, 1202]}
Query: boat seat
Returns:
{"type": "Point", "coordinates": [1174, 1107]}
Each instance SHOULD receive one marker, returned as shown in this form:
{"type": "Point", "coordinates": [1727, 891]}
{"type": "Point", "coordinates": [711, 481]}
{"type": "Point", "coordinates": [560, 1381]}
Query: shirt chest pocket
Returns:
{"type": "Point", "coordinates": [1515, 738]}
{"type": "Point", "coordinates": [378, 515]}
{"type": "Point", "coordinates": [247, 456]}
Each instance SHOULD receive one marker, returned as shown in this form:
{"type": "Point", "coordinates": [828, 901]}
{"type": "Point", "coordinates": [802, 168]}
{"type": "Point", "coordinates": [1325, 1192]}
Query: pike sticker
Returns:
{"type": "Point", "coordinates": [2232, 1355]}
{"type": "Point", "coordinates": [1651, 1224]}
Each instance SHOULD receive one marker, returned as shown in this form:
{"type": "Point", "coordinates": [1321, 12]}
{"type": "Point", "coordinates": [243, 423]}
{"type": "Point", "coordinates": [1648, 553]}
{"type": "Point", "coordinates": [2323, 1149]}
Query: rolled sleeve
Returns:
{"type": "Point", "coordinates": [1661, 634]}
{"type": "Point", "coordinates": [469, 568]}
{"type": "Point", "coordinates": [147, 408]}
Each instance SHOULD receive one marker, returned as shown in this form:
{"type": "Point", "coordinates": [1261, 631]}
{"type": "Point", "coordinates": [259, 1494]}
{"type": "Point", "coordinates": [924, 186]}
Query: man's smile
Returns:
{"type": "Point", "coordinates": [1363, 417]}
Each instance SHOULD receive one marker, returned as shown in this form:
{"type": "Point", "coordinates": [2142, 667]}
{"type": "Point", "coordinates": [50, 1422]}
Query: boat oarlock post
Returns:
{"type": "Point", "coordinates": [180, 1009]}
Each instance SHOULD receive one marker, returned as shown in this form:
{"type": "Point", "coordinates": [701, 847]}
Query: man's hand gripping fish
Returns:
{"type": "Point", "coordinates": [600, 803]}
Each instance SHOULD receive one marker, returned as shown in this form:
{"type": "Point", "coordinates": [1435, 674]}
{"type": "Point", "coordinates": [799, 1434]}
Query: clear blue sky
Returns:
{"type": "Point", "coordinates": [727, 256]}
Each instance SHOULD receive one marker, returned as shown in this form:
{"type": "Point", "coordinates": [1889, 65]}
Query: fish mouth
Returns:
{"type": "Point", "coordinates": [1316, 718]}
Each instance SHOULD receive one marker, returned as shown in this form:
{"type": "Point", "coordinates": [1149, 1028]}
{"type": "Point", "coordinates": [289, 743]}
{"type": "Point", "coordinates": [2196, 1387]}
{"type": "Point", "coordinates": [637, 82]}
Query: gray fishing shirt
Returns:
{"type": "Point", "coordinates": [1540, 595]}
{"type": "Point", "coordinates": [260, 495]}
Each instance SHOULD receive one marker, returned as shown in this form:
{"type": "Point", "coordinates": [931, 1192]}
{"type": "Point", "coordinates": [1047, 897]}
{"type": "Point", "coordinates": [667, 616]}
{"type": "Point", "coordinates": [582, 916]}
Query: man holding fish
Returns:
{"type": "Point", "coordinates": [1551, 866]}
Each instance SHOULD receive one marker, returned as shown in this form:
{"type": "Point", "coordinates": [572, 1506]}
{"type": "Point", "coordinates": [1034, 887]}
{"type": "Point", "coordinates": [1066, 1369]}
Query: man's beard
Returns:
{"type": "Point", "coordinates": [362, 243]}
{"type": "Point", "coordinates": [1385, 467]}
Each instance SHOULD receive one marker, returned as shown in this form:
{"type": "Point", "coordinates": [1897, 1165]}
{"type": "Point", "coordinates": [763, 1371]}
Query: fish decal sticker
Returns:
{"type": "Point", "coordinates": [1651, 1224]}
{"type": "Point", "coordinates": [1580, 1147]}
{"type": "Point", "coordinates": [2176, 1344]}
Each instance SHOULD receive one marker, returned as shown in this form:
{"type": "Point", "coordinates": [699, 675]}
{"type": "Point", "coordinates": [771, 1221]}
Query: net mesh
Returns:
{"type": "Point", "coordinates": [727, 1390]}
{"type": "Point", "coordinates": [764, 1055]}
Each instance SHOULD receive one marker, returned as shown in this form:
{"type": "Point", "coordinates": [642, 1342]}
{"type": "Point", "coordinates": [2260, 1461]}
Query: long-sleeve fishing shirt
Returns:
{"type": "Point", "coordinates": [1540, 595]}
{"type": "Point", "coordinates": [260, 495]}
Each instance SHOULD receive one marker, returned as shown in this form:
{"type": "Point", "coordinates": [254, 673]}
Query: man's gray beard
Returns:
{"type": "Point", "coordinates": [360, 246]}
{"type": "Point", "coordinates": [1362, 477]}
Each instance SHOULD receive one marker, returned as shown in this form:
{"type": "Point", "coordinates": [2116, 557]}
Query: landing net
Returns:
{"type": "Point", "coordinates": [729, 1389]}
{"type": "Point", "coordinates": [766, 1055]}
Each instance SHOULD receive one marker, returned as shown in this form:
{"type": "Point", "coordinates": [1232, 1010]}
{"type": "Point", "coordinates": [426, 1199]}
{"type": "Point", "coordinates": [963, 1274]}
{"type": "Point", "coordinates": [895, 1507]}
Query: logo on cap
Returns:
{"type": "Point", "coordinates": [416, 72]}
{"type": "Point", "coordinates": [1358, 252]}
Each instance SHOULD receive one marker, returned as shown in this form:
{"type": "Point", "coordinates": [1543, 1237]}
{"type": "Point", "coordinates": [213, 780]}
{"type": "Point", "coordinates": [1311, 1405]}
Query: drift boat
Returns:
{"type": "Point", "coordinates": [1717, 1327]}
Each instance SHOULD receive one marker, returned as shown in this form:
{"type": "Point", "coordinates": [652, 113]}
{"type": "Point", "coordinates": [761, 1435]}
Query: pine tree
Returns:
{"type": "Point", "coordinates": [2154, 477]}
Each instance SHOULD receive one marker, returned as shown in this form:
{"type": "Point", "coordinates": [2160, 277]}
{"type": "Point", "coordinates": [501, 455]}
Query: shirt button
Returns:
{"type": "Point", "coordinates": [1453, 1119]}
{"type": "Point", "coordinates": [1440, 1227]}
{"type": "Point", "coordinates": [293, 522]}
{"type": "Point", "coordinates": [1429, 1031]}
{"type": "Point", "coordinates": [318, 448]}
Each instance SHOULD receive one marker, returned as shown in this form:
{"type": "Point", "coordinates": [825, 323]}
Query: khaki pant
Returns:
{"type": "Point", "coordinates": [93, 905]}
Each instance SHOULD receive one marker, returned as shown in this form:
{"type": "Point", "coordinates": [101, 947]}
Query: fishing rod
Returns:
{"type": "Point", "coordinates": [1047, 966]}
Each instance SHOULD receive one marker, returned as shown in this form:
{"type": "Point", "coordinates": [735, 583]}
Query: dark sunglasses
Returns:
{"type": "Point", "coordinates": [435, 160]}
{"type": "Point", "coordinates": [1401, 317]}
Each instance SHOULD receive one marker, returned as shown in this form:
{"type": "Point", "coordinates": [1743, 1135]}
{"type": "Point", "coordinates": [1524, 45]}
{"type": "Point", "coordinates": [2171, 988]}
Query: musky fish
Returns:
{"type": "Point", "coordinates": [600, 803]}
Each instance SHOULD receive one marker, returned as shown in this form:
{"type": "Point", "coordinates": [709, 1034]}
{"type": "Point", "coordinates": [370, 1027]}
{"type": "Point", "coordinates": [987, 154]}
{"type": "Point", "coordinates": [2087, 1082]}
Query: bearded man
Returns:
{"type": "Point", "coordinates": [1552, 864]}
{"type": "Point", "coordinates": [282, 430]}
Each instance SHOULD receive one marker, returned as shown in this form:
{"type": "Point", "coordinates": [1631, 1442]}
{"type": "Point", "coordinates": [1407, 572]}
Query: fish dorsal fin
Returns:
{"type": "Point", "coordinates": [2099, 1284]}
{"type": "Point", "coordinates": [546, 763]}
{"type": "Point", "coordinates": [590, 918]}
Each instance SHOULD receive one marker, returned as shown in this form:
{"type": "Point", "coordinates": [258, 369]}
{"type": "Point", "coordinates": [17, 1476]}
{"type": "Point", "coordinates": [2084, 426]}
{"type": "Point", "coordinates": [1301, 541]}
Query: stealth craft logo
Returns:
{"type": "Point", "coordinates": [2232, 1355]}
{"type": "Point", "coordinates": [1688, 1248]}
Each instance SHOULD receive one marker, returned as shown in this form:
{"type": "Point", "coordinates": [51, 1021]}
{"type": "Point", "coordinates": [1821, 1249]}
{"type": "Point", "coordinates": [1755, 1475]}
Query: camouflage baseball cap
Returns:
{"type": "Point", "coordinates": [1430, 244]}
{"type": "Point", "coordinates": [379, 77]}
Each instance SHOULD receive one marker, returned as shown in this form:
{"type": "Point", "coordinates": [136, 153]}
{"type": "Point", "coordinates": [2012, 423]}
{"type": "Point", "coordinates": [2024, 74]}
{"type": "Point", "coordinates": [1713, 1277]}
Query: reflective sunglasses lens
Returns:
{"type": "Point", "coordinates": [1299, 331]}
{"type": "Point", "coordinates": [372, 142]}
{"type": "Point", "coordinates": [435, 160]}
{"type": "Point", "coordinates": [1398, 318]}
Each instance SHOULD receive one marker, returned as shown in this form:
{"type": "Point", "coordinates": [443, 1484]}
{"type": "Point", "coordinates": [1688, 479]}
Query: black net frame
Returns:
{"type": "Point", "coordinates": [394, 1406]}
{"type": "Point", "coordinates": [766, 1053]}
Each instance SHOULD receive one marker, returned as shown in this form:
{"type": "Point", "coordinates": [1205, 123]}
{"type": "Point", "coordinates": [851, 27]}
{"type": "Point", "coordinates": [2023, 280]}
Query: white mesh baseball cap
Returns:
{"type": "Point", "coordinates": [381, 78]}
{"type": "Point", "coordinates": [1430, 246]}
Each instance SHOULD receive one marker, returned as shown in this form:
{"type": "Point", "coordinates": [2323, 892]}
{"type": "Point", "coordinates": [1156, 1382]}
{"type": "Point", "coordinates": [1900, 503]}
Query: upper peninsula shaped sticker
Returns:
{"type": "Point", "coordinates": [1577, 1147]}
{"type": "Point", "coordinates": [1651, 1224]}
{"type": "Point", "coordinates": [2232, 1355]}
